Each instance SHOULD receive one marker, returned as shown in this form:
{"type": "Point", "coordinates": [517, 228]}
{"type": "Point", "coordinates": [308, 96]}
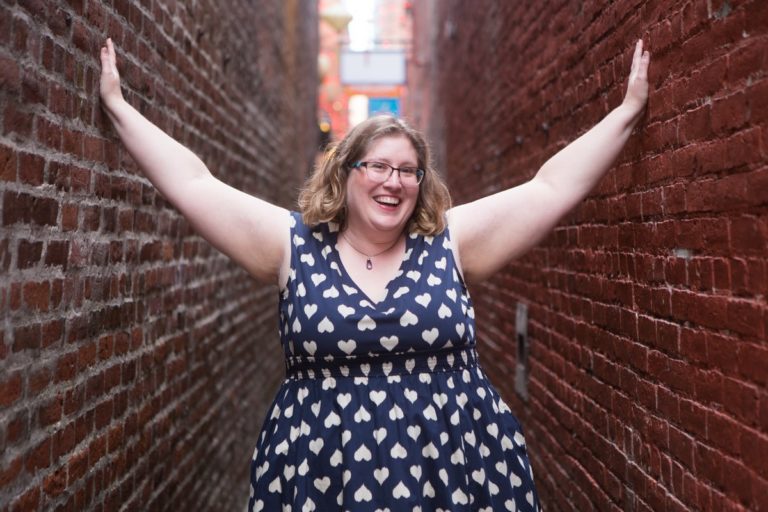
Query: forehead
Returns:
{"type": "Point", "coordinates": [392, 147]}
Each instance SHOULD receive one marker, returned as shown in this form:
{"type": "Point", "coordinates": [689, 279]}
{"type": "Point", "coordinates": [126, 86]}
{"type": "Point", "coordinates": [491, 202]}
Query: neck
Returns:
{"type": "Point", "coordinates": [371, 244]}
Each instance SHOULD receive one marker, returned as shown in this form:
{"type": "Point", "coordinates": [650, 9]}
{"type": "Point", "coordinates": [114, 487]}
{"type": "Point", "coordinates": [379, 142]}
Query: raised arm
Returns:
{"type": "Point", "coordinates": [252, 232]}
{"type": "Point", "coordinates": [491, 231]}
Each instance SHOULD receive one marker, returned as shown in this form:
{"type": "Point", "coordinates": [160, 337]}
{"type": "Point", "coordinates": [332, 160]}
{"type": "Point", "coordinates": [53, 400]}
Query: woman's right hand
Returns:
{"type": "Point", "coordinates": [109, 86]}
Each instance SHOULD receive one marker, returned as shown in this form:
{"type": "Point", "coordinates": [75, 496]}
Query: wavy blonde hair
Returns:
{"type": "Point", "coordinates": [323, 198]}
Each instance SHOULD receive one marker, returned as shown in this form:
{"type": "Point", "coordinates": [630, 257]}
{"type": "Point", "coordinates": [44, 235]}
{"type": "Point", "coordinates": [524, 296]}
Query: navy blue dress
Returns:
{"type": "Point", "coordinates": [384, 405]}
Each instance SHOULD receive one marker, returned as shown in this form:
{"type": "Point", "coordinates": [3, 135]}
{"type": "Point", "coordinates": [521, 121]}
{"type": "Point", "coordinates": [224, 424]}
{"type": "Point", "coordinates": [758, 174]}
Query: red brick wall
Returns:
{"type": "Point", "coordinates": [136, 362]}
{"type": "Point", "coordinates": [647, 305]}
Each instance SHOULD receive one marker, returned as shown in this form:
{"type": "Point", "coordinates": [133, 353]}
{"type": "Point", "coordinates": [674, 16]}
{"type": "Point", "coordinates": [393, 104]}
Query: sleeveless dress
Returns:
{"type": "Point", "coordinates": [384, 405]}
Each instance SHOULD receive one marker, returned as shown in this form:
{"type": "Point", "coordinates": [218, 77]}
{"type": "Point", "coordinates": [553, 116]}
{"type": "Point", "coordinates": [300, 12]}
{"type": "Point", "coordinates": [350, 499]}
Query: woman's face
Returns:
{"type": "Point", "coordinates": [382, 207]}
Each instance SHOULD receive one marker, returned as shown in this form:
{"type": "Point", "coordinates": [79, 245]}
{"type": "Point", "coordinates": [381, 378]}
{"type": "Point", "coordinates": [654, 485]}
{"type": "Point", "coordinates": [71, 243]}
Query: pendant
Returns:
{"type": "Point", "coordinates": [368, 264]}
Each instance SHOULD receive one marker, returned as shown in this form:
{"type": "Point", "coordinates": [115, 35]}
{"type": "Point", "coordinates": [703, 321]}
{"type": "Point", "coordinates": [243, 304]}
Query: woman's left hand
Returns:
{"type": "Point", "coordinates": [637, 88]}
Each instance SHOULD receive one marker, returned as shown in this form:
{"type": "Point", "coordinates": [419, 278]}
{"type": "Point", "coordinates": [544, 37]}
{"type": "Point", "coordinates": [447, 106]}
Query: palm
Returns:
{"type": "Point", "coordinates": [109, 85]}
{"type": "Point", "coordinates": [637, 87]}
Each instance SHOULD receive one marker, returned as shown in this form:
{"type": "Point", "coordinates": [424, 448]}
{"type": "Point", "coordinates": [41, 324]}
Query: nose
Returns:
{"type": "Point", "coordinates": [394, 179]}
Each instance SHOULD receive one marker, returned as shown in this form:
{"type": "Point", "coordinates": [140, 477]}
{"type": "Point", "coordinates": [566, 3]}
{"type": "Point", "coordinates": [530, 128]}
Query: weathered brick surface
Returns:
{"type": "Point", "coordinates": [136, 362]}
{"type": "Point", "coordinates": [647, 304]}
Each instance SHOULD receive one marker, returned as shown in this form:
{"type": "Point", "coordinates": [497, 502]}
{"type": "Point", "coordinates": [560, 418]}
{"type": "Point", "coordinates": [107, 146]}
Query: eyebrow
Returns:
{"type": "Point", "coordinates": [409, 163]}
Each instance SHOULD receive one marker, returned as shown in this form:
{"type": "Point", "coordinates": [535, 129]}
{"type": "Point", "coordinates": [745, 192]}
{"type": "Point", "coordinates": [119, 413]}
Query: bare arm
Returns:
{"type": "Point", "coordinates": [491, 231]}
{"type": "Point", "coordinates": [249, 230]}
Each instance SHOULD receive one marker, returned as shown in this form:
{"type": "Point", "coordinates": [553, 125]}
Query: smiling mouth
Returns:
{"type": "Point", "coordinates": [387, 201]}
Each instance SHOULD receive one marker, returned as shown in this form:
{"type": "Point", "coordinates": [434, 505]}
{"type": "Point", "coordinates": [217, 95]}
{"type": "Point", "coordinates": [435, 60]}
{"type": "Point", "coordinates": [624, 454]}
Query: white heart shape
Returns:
{"type": "Point", "coordinates": [396, 413]}
{"type": "Point", "coordinates": [457, 457]}
{"type": "Point", "coordinates": [380, 474]}
{"type": "Point", "coordinates": [400, 292]}
{"type": "Point", "coordinates": [411, 395]}
{"type": "Point", "coordinates": [325, 325]}
{"type": "Point", "coordinates": [310, 347]}
{"type": "Point", "coordinates": [413, 275]}
{"type": "Point", "coordinates": [322, 484]}
{"type": "Point", "coordinates": [282, 448]}
{"type": "Point", "coordinates": [460, 329]}
{"type": "Point", "coordinates": [413, 431]}
{"type": "Point", "coordinates": [401, 491]}
{"type": "Point", "coordinates": [366, 323]}
{"type": "Point", "coordinates": [316, 445]}
{"type": "Point", "coordinates": [310, 310]}
{"type": "Point", "coordinates": [362, 453]}
{"type": "Point", "coordinates": [345, 311]}
{"type": "Point", "coordinates": [347, 346]}
{"type": "Point", "coordinates": [433, 280]}
{"type": "Point", "coordinates": [430, 451]}
{"type": "Point", "coordinates": [379, 434]}
{"type": "Point", "coordinates": [429, 491]}
{"type": "Point", "coordinates": [408, 318]}
{"type": "Point", "coordinates": [430, 413]}
{"type": "Point", "coordinates": [362, 415]}
{"type": "Point", "coordinates": [317, 278]}
{"type": "Point", "coordinates": [331, 293]}
{"type": "Point", "coordinates": [423, 299]}
{"type": "Point", "coordinates": [308, 259]}
{"type": "Point", "coordinates": [389, 342]}
{"type": "Point", "coordinates": [451, 293]}
{"type": "Point", "coordinates": [343, 399]}
{"type": "Point", "coordinates": [416, 472]}
{"type": "Point", "coordinates": [430, 335]}
{"type": "Point", "coordinates": [441, 263]}
{"type": "Point", "coordinates": [398, 451]}
{"type": "Point", "coordinates": [479, 476]}
{"type": "Point", "coordinates": [336, 458]}
{"type": "Point", "coordinates": [377, 396]}
{"type": "Point", "coordinates": [363, 494]}
{"type": "Point", "coordinates": [459, 498]}
{"type": "Point", "coordinates": [275, 486]}
{"type": "Point", "coordinates": [444, 311]}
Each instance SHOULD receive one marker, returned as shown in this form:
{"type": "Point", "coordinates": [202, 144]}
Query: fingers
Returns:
{"type": "Point", "coordinates": [638, 52]}
{"type": "Point", "coordinates": [111, 58]}
{"type": "Point", "coordinates": [642, 72]}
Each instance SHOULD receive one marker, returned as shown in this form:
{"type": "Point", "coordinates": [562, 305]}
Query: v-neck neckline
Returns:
{"type": "Point", "coordinates": [398, 275]}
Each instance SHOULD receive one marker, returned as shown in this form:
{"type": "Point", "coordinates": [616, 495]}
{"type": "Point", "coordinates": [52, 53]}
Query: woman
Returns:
{"type": "Point", "coordinates": [384, 404]}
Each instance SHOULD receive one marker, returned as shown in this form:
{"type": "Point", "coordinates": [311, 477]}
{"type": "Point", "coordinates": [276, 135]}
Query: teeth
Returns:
{"type": "Point", "coordinates": [388, 200]}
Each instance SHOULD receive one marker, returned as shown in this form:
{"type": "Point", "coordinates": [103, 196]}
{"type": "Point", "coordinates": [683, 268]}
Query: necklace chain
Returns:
{"type": "Point", "coordinates": [369, 257]}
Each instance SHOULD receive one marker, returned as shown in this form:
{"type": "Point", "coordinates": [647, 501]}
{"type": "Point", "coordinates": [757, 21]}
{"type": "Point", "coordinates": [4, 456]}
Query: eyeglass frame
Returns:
{"type": "Point", "coordinates": [420, 173]}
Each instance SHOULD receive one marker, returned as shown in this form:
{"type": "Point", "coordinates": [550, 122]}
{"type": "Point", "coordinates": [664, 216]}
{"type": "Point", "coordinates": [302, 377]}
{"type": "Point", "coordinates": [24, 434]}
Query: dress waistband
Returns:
{"type": "Point", "coordinates": [381, 364]}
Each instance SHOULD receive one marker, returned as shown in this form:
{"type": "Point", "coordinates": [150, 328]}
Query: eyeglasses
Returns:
{"type": "Point", "coordinates": [379, 171]}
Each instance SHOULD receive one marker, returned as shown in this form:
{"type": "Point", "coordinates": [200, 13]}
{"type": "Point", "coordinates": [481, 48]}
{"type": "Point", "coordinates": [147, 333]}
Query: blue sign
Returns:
{"type": "Point", "coordinates": [384, 106]}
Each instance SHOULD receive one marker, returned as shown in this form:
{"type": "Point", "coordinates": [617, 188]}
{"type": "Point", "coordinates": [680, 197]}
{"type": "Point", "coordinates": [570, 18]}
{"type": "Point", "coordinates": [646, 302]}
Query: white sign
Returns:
{"type": "Point", "coordinates": [380, 67]}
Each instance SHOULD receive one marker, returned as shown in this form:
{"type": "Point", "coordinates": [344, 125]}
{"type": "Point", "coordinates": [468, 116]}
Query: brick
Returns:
{"type": "Point", "coordinates": [29, 253]}
{"type": "Point", "coordinates": [10, 389]}
{"type": "Point", "coordinates": [29, 500]}
{"type": "Point", "coordinates": [37, 295]}
{"type": "Point", "coordinates": [39, 457]}
{"type": "Point", "coordinates": [31, 169]}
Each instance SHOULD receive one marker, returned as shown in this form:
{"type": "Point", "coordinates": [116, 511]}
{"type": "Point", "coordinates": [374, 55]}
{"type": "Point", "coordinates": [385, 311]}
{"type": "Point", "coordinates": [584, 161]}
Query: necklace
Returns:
{"type": "Point", "coordinates": [369, 257]}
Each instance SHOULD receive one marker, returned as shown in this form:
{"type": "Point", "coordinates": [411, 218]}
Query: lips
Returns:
{"type": "Point", "coordinates": [387, 200]}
